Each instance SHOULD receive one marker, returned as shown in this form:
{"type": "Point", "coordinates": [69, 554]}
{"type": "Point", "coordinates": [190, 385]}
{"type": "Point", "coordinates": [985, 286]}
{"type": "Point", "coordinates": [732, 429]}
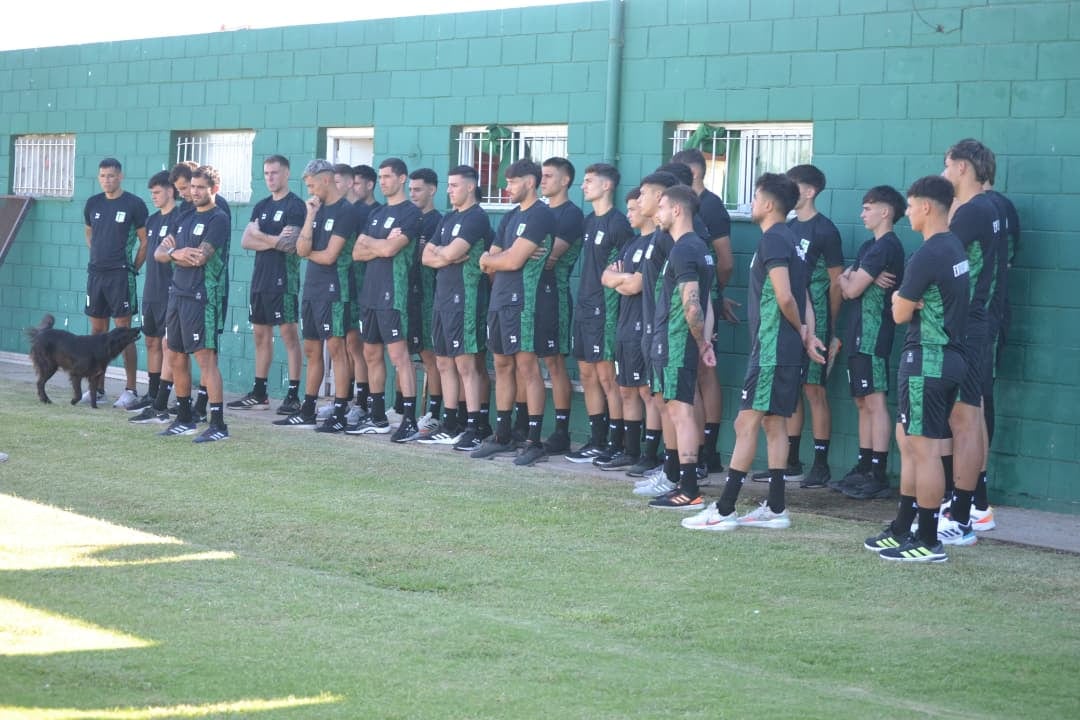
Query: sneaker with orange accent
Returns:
{"type": "Point", "coordinates": [710, 519]}
{"type": "Point", "coordinates": [763, 517]}
{"type": "Point", "coordinates": [677, 500]}
{"type": "Point", "coordinates": [982, 520]}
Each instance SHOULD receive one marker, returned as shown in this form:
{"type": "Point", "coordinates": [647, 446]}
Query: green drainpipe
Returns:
{"type": "Point", "coordinates": [614, 76]}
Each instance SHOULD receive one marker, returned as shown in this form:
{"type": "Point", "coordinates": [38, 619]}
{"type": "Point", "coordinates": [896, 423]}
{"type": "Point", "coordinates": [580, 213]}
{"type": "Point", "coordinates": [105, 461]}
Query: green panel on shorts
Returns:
{"type": "Point", "coordinates": [133, 293]}
{"type": "Point", "coordinates": [339, 318]}
{"type": "Point", "coordinates": [763, 388]}
{"type": "Point", "coordinates": [881, 382]}
{"type": "Point", "coordinates": [769, 327]}
{"type": "Point", "coordinates": [916, 388]}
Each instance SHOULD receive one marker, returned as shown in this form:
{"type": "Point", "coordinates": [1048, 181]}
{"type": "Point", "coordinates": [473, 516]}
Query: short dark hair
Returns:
{"type": "Point", "coordinates": [679, 170]}
{"type": "Point", "coordinates": [365, 171]}
{"type": "Point", "coordinates": [397, 165]}
{"type": "Point", "coordinates": [110, 162]}
{"type": "Point", "coordinates": [564, 165]}
{"type": "Point", "coordinates": [781, 188]}
{"type": "Point", "coordinates": [634, 194]}
{"type": "Point", "coordinates": [808, 175]}
{"type": "Point", "coordinates": [890, 196]}
{"type": "Point", "coordinates": [343, 169]}
{"type": "Point", "coordinates": [522, 168]}
{"type": "Point", "coordinates": [279, 159]}
{"type": "Point", "coordinates": [466, 171]}
{"type": "Point", "coordinates": [208, 173]}
{"type": "Point", "coordinates": [661, 178]}
{"type": "Point", "coordinates": [180, 170]}
{"type": "Point", "coordinates": [980, 157]}
{"type": "Point", "coordinates": [605, 170]}
{"type": "Point", "coordinates": [425, 174]}
{"type": "Point", "coordinates": [934, 188]}
{"type": "Point", "coordinates": [161, 179]}
{"type": "Point", "coordinates": [691, 156]}
{"type": "Point", "coordinates": [685, 196]}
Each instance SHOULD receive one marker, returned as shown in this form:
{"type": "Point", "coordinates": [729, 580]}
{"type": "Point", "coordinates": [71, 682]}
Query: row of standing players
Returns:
{"type": "Point", "coordinates": [625, 371]}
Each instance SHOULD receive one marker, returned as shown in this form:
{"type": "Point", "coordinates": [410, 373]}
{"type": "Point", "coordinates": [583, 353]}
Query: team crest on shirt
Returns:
{"type": "Point", "coordinates": [520, 229]}
{"type": "Point", "coordinates": [328, 225]}
{"type": "Point", "coordinates": [278, 215]}
{"type": "Point", "coordinates": [198, 229]}
{"type": "Point", "coordinates": [121, 216]}
{"type": "Point", "coordinates": [599, 237]}
{"type": "Point", "coordinates": [163, 231]}
{"type": "Point", "coordinates": [456, 230]}
{"type": "Point", "coordinates": [637, 255]}
{"type": "Point", "coordinates": [388, 223]}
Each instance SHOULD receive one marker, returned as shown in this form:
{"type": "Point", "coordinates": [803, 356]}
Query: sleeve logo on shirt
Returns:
{"type": "Point", "coordinates": [278, 215]}
{"type": "Point", "coordinates": [198, 230]}
{"type": "Point", "coordinates": [457, 230]}
{"type": "Point", "coordinates": [599, 237]}
{"type": "Point", "coordinates": [388, 223]}
{"type": "Point", "coordinates": [121, 216]}
{"type": "Point", "coordinates": [960, 268]}
{"type": "Point", "coordinates": [520, 229]}
{"type": "Point", "coordinates": [328, 225]}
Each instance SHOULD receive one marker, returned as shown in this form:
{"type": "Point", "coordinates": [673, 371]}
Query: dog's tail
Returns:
{"type": "Point", "coordinates": [46, 324]}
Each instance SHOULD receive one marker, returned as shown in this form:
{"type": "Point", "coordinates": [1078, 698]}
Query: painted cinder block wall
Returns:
{"type": "Point", "coordinates": [888, 85]}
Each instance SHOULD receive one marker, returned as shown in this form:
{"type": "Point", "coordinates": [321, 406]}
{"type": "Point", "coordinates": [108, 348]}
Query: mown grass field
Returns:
{"type": "Point", "coordinates": [283, 574]}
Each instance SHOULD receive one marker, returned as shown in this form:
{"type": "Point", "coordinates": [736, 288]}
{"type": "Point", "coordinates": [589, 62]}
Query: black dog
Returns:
{"type": "Point", "coordinates": [82, 356]}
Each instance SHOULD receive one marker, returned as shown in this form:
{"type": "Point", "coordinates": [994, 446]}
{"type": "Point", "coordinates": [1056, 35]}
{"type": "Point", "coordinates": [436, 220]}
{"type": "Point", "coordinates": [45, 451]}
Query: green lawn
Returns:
{"type": "Point", "coordinates": [350, 578]}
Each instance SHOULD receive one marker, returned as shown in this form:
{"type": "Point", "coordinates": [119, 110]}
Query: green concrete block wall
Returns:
{"type": "Point", "coordinates": [887, 88]}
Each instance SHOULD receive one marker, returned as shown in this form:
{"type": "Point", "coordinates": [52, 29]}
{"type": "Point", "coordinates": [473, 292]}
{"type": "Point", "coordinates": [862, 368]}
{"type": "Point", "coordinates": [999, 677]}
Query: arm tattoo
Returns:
{"type": "Point", "coordinates": [695, 318]}
{"type": "Point", "coordinates": [206, 250]}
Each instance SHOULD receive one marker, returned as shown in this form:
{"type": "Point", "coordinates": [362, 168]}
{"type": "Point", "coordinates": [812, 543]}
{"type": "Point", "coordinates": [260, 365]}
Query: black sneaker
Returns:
{"type": "Point", "coordinates": [492, 447]}
{"type": "Point", "coordinates": [519, 437]}
{"type": "Point", "coordinates": [854, 476]}
{"type": "Point", "coordinates": [819, 477]}
{"type": "Point", "coordinates": [197, 417]}
{"type": "Point", "coordinates": [297, 420]}
{"type": "Point", "coordinates": [618, 461]}
{"type": "Point", "coordinates": [149, 415]}
{"type": "Point", "coordinates": [586, 454]}
{"type": "Point", "coordinates": [141, 404]}
{"type": "Point", "coordinates": [642, 466]}
{"type": "Point", "coordinates": [915, 551]}
{"type": "Point", "coordinates": [885, 539]}
{"type": "Point", "coordinates": [677, 500]}
{"type": "Point", "coordinates": [715, 465]}
{"type": "Point", "coordinates": [793, 473]}
{"type": "Point", "coordinates": [289, 406]}
{"type": "Point", "coordinates": [531, 454]}
{"type": "Point", "coordinates": [332, 424]}
{"type": "Point", "coordinates": [369, 426]}
{"type": "Point", "coordinates": [871, 488]}
{"type": "Point", "coordinates": [557, 443]}
{"type": "Point", "coordinates": [251, 401]}
{"type": "Point", "coordinates": [213, 434]}
{"type": "Point", "coordinates": [405, 431]}
{"type": "Point", "coordinates": [178, 428]}
{"type": "Point", "coordinates": [469, 441]}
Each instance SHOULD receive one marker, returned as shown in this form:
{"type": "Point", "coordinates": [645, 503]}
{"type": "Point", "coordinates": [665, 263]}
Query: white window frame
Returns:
{"type": "Point", "coordinates": [762, 147]}
{"type": "Point", "coordinates": [537, 142]}
{"type": "Point", "coordinates": [359, 140]}
{"type": "Point", "coordinates": [227, 151]}
{"type": "Point", "coordinates": [44, 166]}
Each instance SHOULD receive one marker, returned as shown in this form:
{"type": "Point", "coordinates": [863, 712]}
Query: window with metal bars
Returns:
{"type": "Point", "coordinates": [44, 166]}
{"type": "Point", "coordinates": [736, 154]}
{"type": "Point", "coordinates": [492, 148]}
{"type": "Point", "coordinates": [227, 151]}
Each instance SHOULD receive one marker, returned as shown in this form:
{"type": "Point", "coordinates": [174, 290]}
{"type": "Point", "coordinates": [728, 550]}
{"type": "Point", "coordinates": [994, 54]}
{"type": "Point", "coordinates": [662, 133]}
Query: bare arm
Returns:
{"type": "Point", "coordinates": [558, 249]}
{"type": "Point", "coordinates": [193, 257]}
{"type": "Point", "coordinates": [836, 298]}
{"type": "Point", "coordinates": [853, 283]}
{"type": "Point", "coordinates": [369, 248]}
{"type": "Point", "coordinates": [436, 256]}
{"type": "Point", "coordinates": [255, 239]}
{"type": "Point", "coordinates": [725, 261]}
{"type": "Point", "coordinates": [693, 311]}
{"type": "Point", "coordinates": [513, 258]}
{"type": "Point", "coordinates": [903, 310]}
{"type": "Point", "coordinates": [140, 254]}
{"type": "Point", "coordinates": [161, 253]}
{"type": "Point", "coordinates": [303, 242]}
{"type": "Point", "coordinates": [328, 255]}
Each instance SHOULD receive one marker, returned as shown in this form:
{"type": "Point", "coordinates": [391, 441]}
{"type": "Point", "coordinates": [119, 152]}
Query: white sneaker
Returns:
{"type": "Point", "coordinates": [762, 516]}
{"type": "Point", "coordinates": [711, 519]}
{"type": "Point", "coordinates": [982, 520]}
{"type": "Point", "coordinates": [352, 416]}
{"type": "Point", "coordinates": [85, 399]}
{"type": "Point", "coordinates": [324, 412]}
{"type": "Point", "coordinates": [126, 400]}
{"type": "Point", "coordinates": [951, 532]}
{"type": "Point", "coordinates": [427, 422]}
{"type": "Point", "coordinates": [659, 486]}
{"type": "Point", "coordinates": [3, 457]}
{"type": "Point", "coordinates": [393, 417]}
{"type": "Point", "coordinates": [655, 472]}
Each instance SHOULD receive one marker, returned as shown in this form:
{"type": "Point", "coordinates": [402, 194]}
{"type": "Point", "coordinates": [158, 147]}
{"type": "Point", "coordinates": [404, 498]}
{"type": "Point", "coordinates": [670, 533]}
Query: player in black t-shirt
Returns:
{"type": "Point", "coordinates": [557, 175]}
{"type": "Point", "coordinates": [363, 190]}
{"type": "Point", "coordinates": [275, 284]}
{"type": "Point", "coordinates": [596, 316]}
{"type": "Point", "coordinates": [820, 248]}
{"type": "Point", "coordinates": [717, 221]}
{"type": "Point", "coordinates": [388, 245]}
{"type": "Point", "coordinates": [933, 299]}
{"type": "Point", "coordinates": [116, 237]}
{"type": "Point", "coordinates": [422, 186]}
{"type": "Point", "coordinates": [519, 327]}
{"type": "Point", "coordinates": [198, 301]}
{"type": "Point", "coordinates": [869, 338]}
{"type": "Point", "coordinates": [781, 324]}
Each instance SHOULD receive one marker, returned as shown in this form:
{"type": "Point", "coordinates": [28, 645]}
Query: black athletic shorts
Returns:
{"type": "Point", "coordinates": [867, 374]}
{"type": "Point", "coordinates": [324, 319]}
{"type": "Point", "coordinates": [676, 383]}
{"type": "Point", "coordinates": [631, 370]}
{"type": "Point", "coordinates": [976, 352]}
{"type": "Point", "coordinates": [153, 318]}
{"type": "Point", "coordinates": [111, 294]}
{"type": "Point", "coordinates": [544, 331]}
{"type": "Point", "coordinates": [451, 335]}
{"type": "Point", "coordinates": [772, 389]}
{"type": "Point", "coordinates": [192, 324]}
{"type": "Point", "coordinates": [382, 327]}
{"type": "Point", "coordinates": [924, 404]}
{"type": "Point", "coordinates": [272, 309]}
{"type": "Point", "coordinates": [510, 332]}
{"type": "Point", "coordinates": [594, 335]}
